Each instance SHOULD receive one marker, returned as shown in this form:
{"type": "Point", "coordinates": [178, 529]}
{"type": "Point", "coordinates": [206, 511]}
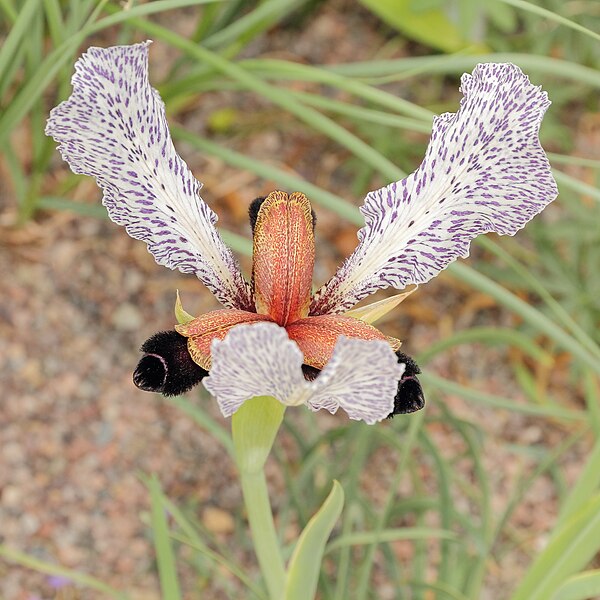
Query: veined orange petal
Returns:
{"type": "Point", "coordinates": [317, 335]}
{"type": "Point", "coordinates": [210, 326]}
{"type": "Point", "coordinates": [283, 257]}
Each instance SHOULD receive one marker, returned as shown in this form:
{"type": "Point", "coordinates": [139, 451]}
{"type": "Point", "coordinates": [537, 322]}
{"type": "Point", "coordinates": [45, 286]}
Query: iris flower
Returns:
{"type": "Point", "coordinates": [484, 170]}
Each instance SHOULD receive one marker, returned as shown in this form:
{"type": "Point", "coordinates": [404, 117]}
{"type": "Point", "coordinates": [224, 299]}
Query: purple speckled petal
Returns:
{"type": "Point", "coordinates": [254, 360]}
{"type": "Point", "coordinates": [113, 128]}
{"type": "Point", "coordinates": [484, 170]}
{"type": "Point", "coordinates": [260, 360]}
{"type": "Point", "coordinates": [361, 377]}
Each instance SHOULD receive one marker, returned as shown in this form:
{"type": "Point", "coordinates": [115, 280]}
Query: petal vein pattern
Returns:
{"type": "Point", "coordinates": [361, 377]}
{"type": "Point", "coordinates": [254, 360]}
{"type": "Point", "coordinates": [259, 360]}
{"type": "Point", "coordinates": [114, 128]}
{"type": "Point", "coordinates": [484, 170]}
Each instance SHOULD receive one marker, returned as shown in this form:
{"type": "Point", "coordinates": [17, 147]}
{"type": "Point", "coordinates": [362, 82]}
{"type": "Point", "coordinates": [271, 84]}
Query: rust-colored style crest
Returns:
{"type": "Point", "coordinates": [284, 257]}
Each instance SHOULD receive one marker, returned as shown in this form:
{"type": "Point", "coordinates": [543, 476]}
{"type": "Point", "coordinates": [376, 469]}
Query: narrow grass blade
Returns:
{"type": "Point", "coordinates": [305, 564]}
{"type": "Point", "coordinates": [550, 411]}
{"type": "Point", "coordinates": [561, 314]}
{"type": "Point", "coordinates": [325, 74]}
{"type": "Point", "coordinates": [65, 205]}
{"type": "Point", "coordinates": [204, 420]}
{"type": "Point", "coordinates": [457, 64]}
{"type": "Point", "coordinates": [570, 548]}
{"type": "Point", "coordinates": [447, 513]}
{"type": "Point", "coordinates": [489, 336]}
{"type": "Point", "coordinates": [193, 539]}
{"type": "Point", "coordinates": [165, 557]}
{"type": "Point", "coordinates": [439, 590]}
{"type": "Point", "coordinates": [566, 181]}
{"type": "Point", "coordinates": [361, 445]}
{"type": "Point", "coordinates": [389, 535]}
{"type": "Point", "coordinates": [27, 13]}
{"type": "Point", "coordinates": [40, 566]}
{"type": "Point", "coordinates": [360, 113]}
{"type": "Point", "coordinates": [55, 22]}
{"type": "Point", "coordinates": [243, 29]}
{"type": "Point", "coordinates": [530, 314]}
{"type": "Point", "coordinates": [270, 172]}
{"type": "Point", "coordinates": [564, 159]}
{"type": "Point", "coordinates": [281, 98]}
{"type": "Point", "coordinates": [197, 545]}
{"type": "Point", "coordinates": [6, 6]}
{"type": "Point", "coordinates": [552, 16]}
{"type": "Point", "coordinates": [409, 441]}
{"type": "Point", "coordinates": [528, 479]}
{"type": "Point", "coordinates": [587, 484]}
{"type": "Point", "coordinates": [56, 60]}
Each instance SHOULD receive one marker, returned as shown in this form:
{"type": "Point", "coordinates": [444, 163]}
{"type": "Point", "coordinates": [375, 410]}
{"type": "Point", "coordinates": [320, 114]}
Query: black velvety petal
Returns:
{"type": "Point", "coordinates": [255, 207]}
{"type": "Point", "coordinates": [310, 373]}
{"type": "Point", "coordinates": [253, 210]}
{"type": "Point", "coordinates": [411, 366]}
{"type": "Point", "coordinates": [409, 397]}
{"type": "Point", "coordinates": [150, 374]}
{"type": "Point", "coordinates": [167, 366]}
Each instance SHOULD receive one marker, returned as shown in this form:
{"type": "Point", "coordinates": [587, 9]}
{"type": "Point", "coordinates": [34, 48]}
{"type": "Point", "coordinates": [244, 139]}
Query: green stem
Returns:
{"type": "Point", "coordinates": [254, 427]}
{"type": "Point", "coordinates": [266, 544]}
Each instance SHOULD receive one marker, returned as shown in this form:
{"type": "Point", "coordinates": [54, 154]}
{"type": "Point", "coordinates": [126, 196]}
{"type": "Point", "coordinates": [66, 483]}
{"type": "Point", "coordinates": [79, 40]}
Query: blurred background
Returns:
{"type": "Point", "coordinates": [332, 98]}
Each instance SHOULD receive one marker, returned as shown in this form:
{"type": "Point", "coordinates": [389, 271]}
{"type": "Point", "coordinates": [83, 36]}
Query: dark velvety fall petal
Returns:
{"type": "Point", "coordinates": [255, 207]}
{"type": "Point", "coordinates": [167, 366]}
{"type": "Point", "coordinates": [409, 397]}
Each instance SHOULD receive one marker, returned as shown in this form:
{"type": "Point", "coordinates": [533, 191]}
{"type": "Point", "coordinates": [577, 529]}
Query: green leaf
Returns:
{"type": "Point", "coordinates": [305, 564]}
{"type": "Point", "coordinates": [570, 548]}
{"type": "Point", "coordinates": [165, 558]}
{"type": "Point", "coordinates": [587, 484]}
{"type": "Point", "coordinates": [430, 26]}
{"type": "Point", "coordinates": [580, 587]}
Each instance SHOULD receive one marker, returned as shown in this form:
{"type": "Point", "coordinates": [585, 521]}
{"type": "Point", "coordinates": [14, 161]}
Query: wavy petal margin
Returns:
{"type": "Point", "coordinates": [260, 360]}
{"type": "Point", "coordinates": [317, 337]}
{"type": "Point", "coordinates": [484, 170]}
{"type": "Point", "coordinates": [213, 325]}
{"type": "Point", "coordinates": [113, 127]}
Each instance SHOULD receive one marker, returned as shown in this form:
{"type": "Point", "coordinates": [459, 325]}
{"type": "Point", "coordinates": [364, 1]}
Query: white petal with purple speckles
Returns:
{"type": "Point", "coordinates": [113, 128]}
{"type": "Point", "coordinates": [361, 377]}
{"type": "Point", "coordinates": [260, 360]}
{"type": "Point", "coordinates": [254, 360]}
{"type": "Point", "coordinates": [484, 170]}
